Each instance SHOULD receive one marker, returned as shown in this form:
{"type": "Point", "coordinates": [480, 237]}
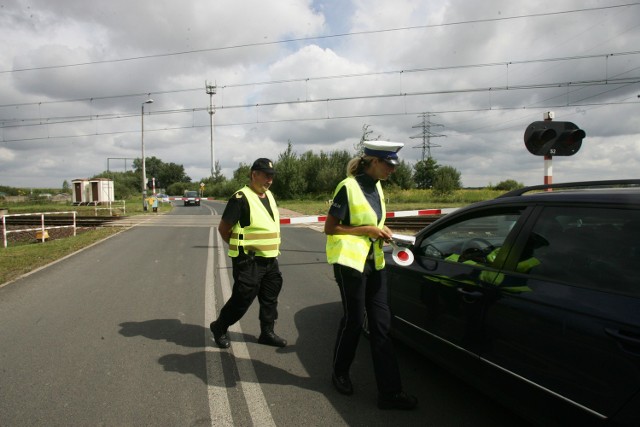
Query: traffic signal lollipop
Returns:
{"type": "Point", "coordinates": [401, 256]}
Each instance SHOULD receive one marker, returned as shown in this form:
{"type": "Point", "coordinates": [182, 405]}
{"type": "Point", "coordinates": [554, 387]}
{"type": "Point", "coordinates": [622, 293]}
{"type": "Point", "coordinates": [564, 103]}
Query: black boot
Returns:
{"type": "Point", "coordinates": [268, 337]}
{"type": "Point", "coordinates": [401, 400]}
{"type": "Point", "coordinates": [220, 335]}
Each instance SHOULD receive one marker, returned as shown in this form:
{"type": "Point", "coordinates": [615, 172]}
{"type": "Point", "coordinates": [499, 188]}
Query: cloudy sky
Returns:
{"type": "Point", "coordinates": [74, 75]}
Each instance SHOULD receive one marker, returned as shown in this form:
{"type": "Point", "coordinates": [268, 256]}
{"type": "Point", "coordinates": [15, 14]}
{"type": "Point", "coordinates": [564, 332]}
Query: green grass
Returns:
{"type": "Point", "coordinates": [21, 259]}
{"type": "Point", "coordinates": [402, 200]}
{"type": "Point", "coordinates": [131, 207]}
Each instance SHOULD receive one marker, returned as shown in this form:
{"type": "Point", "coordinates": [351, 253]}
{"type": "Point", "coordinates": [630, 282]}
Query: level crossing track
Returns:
{"type": "Point", "coordinates": [60, 220]}
{"type": "Point", "coordinates": [415, 223]}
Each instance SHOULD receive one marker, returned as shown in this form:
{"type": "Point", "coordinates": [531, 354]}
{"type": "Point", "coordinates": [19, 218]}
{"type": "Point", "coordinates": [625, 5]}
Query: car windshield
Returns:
{"type": "Point", "coordinates": [192, 194]}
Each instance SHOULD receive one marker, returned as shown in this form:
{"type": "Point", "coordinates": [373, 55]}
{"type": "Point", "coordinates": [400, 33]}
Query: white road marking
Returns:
{"type": "Point", "coordinates": [219, 408]}
{"type": "Point", "coordinates": [256, 402]}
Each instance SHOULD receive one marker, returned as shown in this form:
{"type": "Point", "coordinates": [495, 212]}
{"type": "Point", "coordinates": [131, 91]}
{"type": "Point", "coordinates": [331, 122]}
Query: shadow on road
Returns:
{"type": "Point", "coordinates": [444, 400]}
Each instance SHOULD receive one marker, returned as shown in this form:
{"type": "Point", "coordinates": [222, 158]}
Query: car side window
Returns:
{"type": "Point", "coordinates": [476, 240]}
{"type": "Point", "coordinates": [597, 248]}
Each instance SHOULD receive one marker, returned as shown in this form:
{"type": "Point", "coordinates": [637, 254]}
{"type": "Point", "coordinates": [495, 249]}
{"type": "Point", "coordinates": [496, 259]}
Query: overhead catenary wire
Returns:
{"type": "Point", "coordinates": [323, 118]}
{"type": "Point", "coordinates": [302, 39]}
{"type": "Point", "coordinates": [46, 121]}
{"type": "Point", "coordinates": [337, 76]}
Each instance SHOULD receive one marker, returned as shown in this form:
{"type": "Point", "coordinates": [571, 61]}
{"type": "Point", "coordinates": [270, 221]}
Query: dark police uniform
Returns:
{"type": "Point", "coordinates": [253, 276]}
{"type": "Point", "coordinates": [364, 290]}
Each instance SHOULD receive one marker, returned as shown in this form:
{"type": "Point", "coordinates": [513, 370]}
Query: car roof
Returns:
{"type": "Point", "coordinates": [619, 192]}
{"type": "Point", "coordinates": [562, 194]}
{"type": "Point", "coordinates": [610, 192]}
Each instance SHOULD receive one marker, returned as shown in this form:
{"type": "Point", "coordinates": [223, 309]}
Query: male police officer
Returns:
{"type": "Point", "coordinates": [250, 224]}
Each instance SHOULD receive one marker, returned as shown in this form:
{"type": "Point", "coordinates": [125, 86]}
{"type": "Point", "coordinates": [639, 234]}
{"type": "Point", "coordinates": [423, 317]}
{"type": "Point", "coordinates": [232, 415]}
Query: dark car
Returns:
{"type": "Point", "coordinates": [533, 297]}
{"type": "Point", "coordinates": [191, 198]}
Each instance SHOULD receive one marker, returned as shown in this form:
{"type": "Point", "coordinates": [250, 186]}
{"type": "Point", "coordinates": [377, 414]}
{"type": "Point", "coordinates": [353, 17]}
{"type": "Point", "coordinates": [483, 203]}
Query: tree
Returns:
{"type": "Point", "coordinates": [334, 170]}
{"type": "Point", "coordinates": [290, 182]}
{"type": "Point", "coordinates": [447, 180]}
{"type": "Point", "coordinates": [66, 188]}
{"type": "Point", "coordinates": [366, 136]}
{"type": "Point", "coordinates": [401, 177]}
{"type": "Point", "coordinates": [153, 167]}
{"type": "Point", "coordinates": [178, 188]}
{"type": "Point", "coordinates": [165, 173]}
{"type": "Point", "coordinates": [508, 185]}
{"type": "Point", "coordinates": [242, 174]}
{"type": "Point", "coordinates": [170, 173]}
{"type": "Point", "coordinates": [425, 173]}
{"type": "Point", "coordinates": [218, 177]}
{"type": "Point", "coordinates": [312, 166]}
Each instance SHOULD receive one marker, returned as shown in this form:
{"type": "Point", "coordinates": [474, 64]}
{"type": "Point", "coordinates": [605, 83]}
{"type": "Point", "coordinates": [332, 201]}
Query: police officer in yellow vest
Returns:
{"type": "Point", "coordinates": [250, 224]}
{"type": "Point", "coordinates": [355, 234]}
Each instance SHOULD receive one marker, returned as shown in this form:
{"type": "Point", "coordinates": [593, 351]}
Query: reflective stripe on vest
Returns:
{"type": "Point", "coordinates": [262, 235]}
{"type": "Point", "coordinates": [349, 250]}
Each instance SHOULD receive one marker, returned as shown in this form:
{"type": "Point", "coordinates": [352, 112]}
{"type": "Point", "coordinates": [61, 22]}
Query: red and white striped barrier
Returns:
{"type": "Point", "coordinates": [322, 218]}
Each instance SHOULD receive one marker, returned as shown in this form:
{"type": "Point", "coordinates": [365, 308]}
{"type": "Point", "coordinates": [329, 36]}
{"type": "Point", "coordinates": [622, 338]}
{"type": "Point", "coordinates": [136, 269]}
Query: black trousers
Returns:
{"type": "Point", "coordinates": [360, 291]}
{"type": "Point", "coordinates": [253, 276]}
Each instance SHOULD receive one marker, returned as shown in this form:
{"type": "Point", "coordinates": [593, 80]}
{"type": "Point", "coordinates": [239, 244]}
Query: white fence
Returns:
{"type": "Point", "coordinates": [42, 227]}
{"type": "Point", "coordinates": [110, 208]}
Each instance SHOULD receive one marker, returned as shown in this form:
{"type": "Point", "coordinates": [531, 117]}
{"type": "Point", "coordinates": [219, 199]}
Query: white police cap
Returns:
{"type": "Point", "coordinates": [385, 150]}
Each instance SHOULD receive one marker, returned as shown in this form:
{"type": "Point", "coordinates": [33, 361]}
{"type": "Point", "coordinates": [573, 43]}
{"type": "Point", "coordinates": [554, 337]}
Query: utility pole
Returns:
{"type": "Point", "coordinates": [426, 135]}
{"type": "Point", "coordinates": [211, 90]}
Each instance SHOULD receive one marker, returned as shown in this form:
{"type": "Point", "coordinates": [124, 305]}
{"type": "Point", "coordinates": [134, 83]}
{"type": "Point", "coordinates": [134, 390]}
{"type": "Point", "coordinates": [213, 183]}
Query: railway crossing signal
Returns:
{"type": "Point", "coordinates": [550, 138]}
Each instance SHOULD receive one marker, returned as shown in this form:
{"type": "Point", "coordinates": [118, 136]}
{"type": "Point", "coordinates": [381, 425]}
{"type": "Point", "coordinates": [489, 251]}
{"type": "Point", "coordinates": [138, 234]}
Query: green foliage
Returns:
{"type": "Point", "coordinates": [217, 177]}
{"type": "Point", "coordinates": [16, 260]}
{"type": "Point", "coordinates": [242, 174]}
{"type": "Point", "coordinates": [178, 188]}
{"type": "Point", "coordinates": [508, 185]}
{"type": "Point", "coordinates": [165, 173]}
{"type": "Point", "coordinates": [401, 178]}
{"type": "Point", "coordinates": [290, 182]}
{"type": "Point", "coordinates": [401, 200]}
{"type": "Point", "coordinates": [425, 173]}
{"type": "Point", "coordinates": [446, 181]}
{"type": "Point", "coordinates": [125, 184]}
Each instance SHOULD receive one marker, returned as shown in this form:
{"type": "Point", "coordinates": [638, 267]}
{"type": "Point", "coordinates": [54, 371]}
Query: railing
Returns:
{"type": "Point", "coordinates": [42, 228]}
{"type": "Point", "coordinates": [110, 208]}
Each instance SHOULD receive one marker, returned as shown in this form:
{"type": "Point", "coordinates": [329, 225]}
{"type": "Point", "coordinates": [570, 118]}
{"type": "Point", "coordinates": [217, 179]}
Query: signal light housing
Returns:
{"type": "Point", "coordinates": [549, 138]}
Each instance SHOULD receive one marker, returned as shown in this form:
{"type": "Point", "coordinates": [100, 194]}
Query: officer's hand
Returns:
{"type": "Point", "coordinates": [376, 233]}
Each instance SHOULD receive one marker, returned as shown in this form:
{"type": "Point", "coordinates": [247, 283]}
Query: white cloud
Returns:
{"type": "Point", "coordinates": [460, 47]}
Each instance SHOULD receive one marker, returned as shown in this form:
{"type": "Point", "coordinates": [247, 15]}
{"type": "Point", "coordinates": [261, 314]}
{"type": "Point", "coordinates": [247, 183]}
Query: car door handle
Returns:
{"type": "Point", "coordinates": [629, 341]}
{"type": "Point", "coordinates": [470, 294]}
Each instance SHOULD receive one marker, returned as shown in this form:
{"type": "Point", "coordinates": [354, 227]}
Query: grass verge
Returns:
{"type": "Point", "coordinates": [18, 260]}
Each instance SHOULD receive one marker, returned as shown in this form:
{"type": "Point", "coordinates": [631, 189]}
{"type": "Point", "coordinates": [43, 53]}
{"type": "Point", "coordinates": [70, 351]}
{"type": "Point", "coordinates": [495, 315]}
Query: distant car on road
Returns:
{"type": "Point", "coordinates": [191, 198]}
{"type": "Point", "coordinates": [162, 197]}
{"type": "Point", "coordinates": [533, 297]}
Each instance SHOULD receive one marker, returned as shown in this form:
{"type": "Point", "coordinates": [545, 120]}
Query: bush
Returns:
{"type": "Point", "coordinates": [509, 185]}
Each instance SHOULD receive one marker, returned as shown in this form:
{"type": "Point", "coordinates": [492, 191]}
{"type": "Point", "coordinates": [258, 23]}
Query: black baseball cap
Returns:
{"type": "Point", "coordinates": [264, 165]}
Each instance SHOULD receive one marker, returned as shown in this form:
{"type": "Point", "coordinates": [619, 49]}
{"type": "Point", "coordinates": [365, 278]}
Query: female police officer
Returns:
{"type": "Point", "coordinates": [355, 233]}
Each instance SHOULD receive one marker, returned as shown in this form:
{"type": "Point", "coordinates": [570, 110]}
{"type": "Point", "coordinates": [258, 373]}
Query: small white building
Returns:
{"type": "Point", "coordinates": [92, 191]}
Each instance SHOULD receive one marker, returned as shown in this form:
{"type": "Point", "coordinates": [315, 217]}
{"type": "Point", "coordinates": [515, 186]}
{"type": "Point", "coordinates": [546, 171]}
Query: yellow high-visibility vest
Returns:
{"type": "Point", "coordinates": [262, 235]}
{"type": "Point", "coordinates": [349, 250]}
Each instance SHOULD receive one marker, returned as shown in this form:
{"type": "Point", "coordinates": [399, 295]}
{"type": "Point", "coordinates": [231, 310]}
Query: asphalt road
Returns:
{"type": "Point", "coordinates": [117, 335]}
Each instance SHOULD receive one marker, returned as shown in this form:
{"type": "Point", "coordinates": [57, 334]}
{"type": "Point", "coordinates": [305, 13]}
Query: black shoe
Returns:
{"type": "Point", "coordinates": [220, 336]}
{"type": "Point", "coordinates": [342, 383]}
{"type": "Point", "coordinates": [399, 400]}
{"type": "Point", "coordinates": [270, 338]}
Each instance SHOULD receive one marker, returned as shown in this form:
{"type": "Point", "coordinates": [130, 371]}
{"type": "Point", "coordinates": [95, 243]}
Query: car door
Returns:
{"type": "Point", "coordinates": [567, 317]}
{"type": "Point", "coordinates": [438, 302]}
